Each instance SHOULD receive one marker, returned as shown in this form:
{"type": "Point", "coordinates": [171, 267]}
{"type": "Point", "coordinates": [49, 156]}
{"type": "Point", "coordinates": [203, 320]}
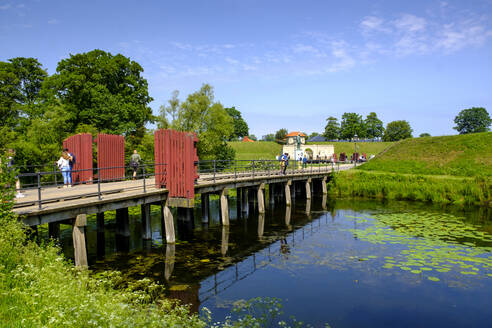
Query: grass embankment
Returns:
{"type": "Point", "coordinates": [450, 169]}
{"type": "Point", "coordinates": [256, 150]}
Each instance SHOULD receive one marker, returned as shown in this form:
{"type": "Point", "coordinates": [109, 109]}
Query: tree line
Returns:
{"type": "Point", "coordinates": [99, 92]}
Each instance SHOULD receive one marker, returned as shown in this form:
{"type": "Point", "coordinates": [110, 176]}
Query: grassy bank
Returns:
{"type": "Point", "coordinates": [461, 155]}
{"type": "Point", "coordinates": [435, 189]}
{"type": "Point", "coordinates": [256, 150]}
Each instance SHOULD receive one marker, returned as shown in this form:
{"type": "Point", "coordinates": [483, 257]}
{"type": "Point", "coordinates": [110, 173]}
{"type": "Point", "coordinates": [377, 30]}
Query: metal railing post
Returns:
{"type": "Point", "coordinates": [144, 186]}
{"type": "Point", "coordinates": [39, 190]}
{"type": "Point", "coordinates": [253, 168]}
{"type": "Point", "coordinates": [54, 172]}
{"type": "Point", "coordinates": [268, 166]}
{"type": "Point", "coordinates": [214, 170]}
{"type": "Point", "coordinates": [99, 183]}
{"type": "Point", "coordinates": [235, 169]}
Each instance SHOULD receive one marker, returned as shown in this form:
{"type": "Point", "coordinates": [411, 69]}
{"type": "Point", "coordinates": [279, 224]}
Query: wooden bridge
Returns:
{"type": "Point", "coordinates": [49, 203]}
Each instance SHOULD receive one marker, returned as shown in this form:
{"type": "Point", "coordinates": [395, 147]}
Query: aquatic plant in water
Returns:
{"type": "Point", "coordinates": [434, 244]}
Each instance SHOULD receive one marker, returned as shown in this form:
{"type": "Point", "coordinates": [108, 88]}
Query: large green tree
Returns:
{"type": "Point", "coordinates": [332, 128]}
{"type": "Point", "coordinates": [280, 135]}
{"type": "Point", "coordinates": [397, 130]}
{"type": "Point", "coordinates": [373, 126]}
{"type": "Point", "coordinates": [169, 114]}
{"type": "Point", "coordinates": [472, 120]}
{"type": "Point", "coordinates": [102, 90]}
{"type": "Point", "coordinates": [213, 125]}
{"type": "Point", "coordinates": [352, 124]}
{"type": "Point", "coordinates": [241, 128]}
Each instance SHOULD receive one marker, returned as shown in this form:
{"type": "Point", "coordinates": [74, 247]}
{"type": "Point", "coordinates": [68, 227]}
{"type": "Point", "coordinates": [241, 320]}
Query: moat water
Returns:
{"type": "Point", "coordinates": [348, 263]}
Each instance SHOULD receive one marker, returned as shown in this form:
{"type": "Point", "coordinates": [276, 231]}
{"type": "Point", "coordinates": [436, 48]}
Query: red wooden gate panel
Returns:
{"type": "Point", "coordinates": [111, 156]}
{"type": "Point", "coordinates": [175, 158]}
{"type": "Point", "coordinates": [81, 146]}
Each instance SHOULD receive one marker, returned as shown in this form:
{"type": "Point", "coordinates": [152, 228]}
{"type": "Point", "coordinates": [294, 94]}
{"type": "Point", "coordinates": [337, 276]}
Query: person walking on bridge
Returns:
{"type": "Point", "coordinates": [135, 160]}
{"type": "Point", "coordinates": [64, 166]}
{"type": "Point", "coordinates": [285, 161]}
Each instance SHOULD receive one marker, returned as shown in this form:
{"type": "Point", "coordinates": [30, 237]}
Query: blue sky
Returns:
{"type": "Point", "coordinates": [283, 64]}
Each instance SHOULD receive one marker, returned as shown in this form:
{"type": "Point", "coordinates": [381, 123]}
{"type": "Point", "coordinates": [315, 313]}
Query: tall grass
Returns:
{"type": "Point", "coordinates": [455, 190]}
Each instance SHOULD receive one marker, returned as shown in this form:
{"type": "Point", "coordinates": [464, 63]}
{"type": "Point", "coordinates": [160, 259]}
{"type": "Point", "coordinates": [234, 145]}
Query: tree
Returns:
{"type": "Point", "coordinates": [397, 130]}
{"type": "Point", "coordinates": [374, 126]}
{"type": "Point", "coordinates": [425, 134]}
{"type": "Point", "coordinates": [472, 120]}
{"type": "Point", "coordinates": [101, 90]}
{"type": "Point", "coordinates": [268, 137]}
{"type": "Point", "coordinates": [211, 122]}
{"type": "Point", "coordinates": [252, 137]}
{"type": "Point", "coordinates": [312, 135]}
{"type": "Point", "coordinates": [240, 126]}
{"type": "Point", "coordinates": [280, 135]}
{"type": "Point", "coordinates": [171, 110]}
{"type": "Point", "coordinates": [352, 124]}
{"type": "Point", "coordinates": [332, 128]}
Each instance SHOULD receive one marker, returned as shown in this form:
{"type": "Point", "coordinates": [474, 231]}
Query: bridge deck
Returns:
{"type": "Point", "coordinates": [56, 199]}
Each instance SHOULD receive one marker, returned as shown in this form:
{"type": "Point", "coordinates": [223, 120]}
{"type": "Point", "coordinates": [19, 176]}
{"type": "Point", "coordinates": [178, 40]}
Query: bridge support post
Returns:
{"type": "Point", "coordinates": [308, 207]}
{"type": "Point", "coordinates": [308, 188]}
{"type": "Point", "coordinates": [78, 235]}
{"type": "Point", "coordinates": [261, 224]}
{"type": "Point", "coordinates": [244, 200]}
{"type": "Point", "coordinates": [170, 258]}
{"type": "Point", "coordinates": [287, 193]}
{"type": "Point", "coordinates": [54, 230]}
{"type": "Point", "coordinates": [251, 199]}
{"type": "Point", "coordinates": [101, 240]}
{"type": "Point", "coordinates": [323, 186]}
{"type": "Point", "coordinates": [238, 202]}
{"type": "Point", "coordinates": [168, 225]}
{"type": "Point", "coordinates": [271, 194]}
{"type": "Point", "coordinates": [261, 199]}
{"type": "Point", "coordinates": [205, 208]}
{"type": "Point", "coordinates": [288, 212]}
{"type": "Point", "coordinates": [146, 224]}
{"type": "Point", "coordinates": [224, 245]}
{"type": "Point", "coordinates": [224, 207]}
{"type": "Point", "coordinates": [122, 222]}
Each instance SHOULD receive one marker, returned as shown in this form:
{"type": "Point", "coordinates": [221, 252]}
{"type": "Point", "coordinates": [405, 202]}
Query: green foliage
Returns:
{"type": "Point", "coordinates": [280, 135]}
{"type": "Point", "coordinates": [312, 135]}
{"type": "Point", "coordinates": [425, 134]}
{"type": "Point", "coordinates": [332, 128]}
{"type": "Point", "coordinates": [253, 137]}
{"type": "Point", "coordinates": [465, 191]}
{"type": "Point", "coordinates": [268, 137]}
{"type": "Point", "coordinates": [170, 111]}
{"type": "Point", "coordinates": [397, 130]}
{"type": "Point", "coordinates": [459, 155]}
{"type": "Point", "coordinates": [240, 126]}
{"type": "Point", "coordinates": [352, 124]}
{"type": "Point", "coordinates": [101, 90]}
{"type": "Point", "coordinates": [374, 126]}
{"type": "Point", "coordinates": [472, 120]}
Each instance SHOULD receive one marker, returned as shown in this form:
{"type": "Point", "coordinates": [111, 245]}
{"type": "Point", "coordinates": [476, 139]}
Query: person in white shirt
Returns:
{"type": "Point", "coordinates": [64, 166]}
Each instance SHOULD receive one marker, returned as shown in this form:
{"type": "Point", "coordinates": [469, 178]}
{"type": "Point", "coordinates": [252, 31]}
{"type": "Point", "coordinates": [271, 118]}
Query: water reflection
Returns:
{"type": "Point", "coordinates": [311, 246]}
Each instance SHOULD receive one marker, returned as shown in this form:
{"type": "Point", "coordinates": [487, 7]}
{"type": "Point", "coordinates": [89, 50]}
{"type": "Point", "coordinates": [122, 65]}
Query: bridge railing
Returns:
{"type": "Point", "coordinates": [212, 170]}
{"type": "Point", "coordinates": [44, 181]}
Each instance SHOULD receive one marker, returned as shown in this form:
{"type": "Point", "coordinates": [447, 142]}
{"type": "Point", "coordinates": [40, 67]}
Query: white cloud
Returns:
{"type": "Point", "coordinates": [343, 60]}
{"type": "Point", "coordinates": [53, 21]}
{"type": "Point", "coordinates": [373, 24]}
{"type": "Point", "coordinates": [410, 23]}
{"type": "Point", "coordinates": [454, 37]}
{"type": "Point", "coordinates": [5, 7]}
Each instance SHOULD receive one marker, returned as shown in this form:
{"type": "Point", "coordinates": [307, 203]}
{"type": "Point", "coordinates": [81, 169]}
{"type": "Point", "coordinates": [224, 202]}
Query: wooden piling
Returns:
{"type": "Point", "coordinates": [323, 186]}
{"type": "Point", "coordinates": [287, 193]}
{"type": "Point", "coordinates": [146, 222]}
{"type": "Point", "coordinates": [205, 208]}
{"type": "Point", "coordinates": [224, 245]}
{"type": "Point", "coordinates": [224, 207]}
{"type": "Point", "coordinates": [261, 199]}
{"type": "Point", "coordinates": [244, 200]}
{"type": "Point", "coordinates": [169, 261]}
{"type": "Point", "coordinates": [122, 222]}
{"type": "Point", "coordinates": [308, 188]}
{"type": "Point", "coordinates": [78, 235]}
{"type": "Point", "coordinates": [261, 224]}
{"type": "Point", "coordinates": [168, 225]}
